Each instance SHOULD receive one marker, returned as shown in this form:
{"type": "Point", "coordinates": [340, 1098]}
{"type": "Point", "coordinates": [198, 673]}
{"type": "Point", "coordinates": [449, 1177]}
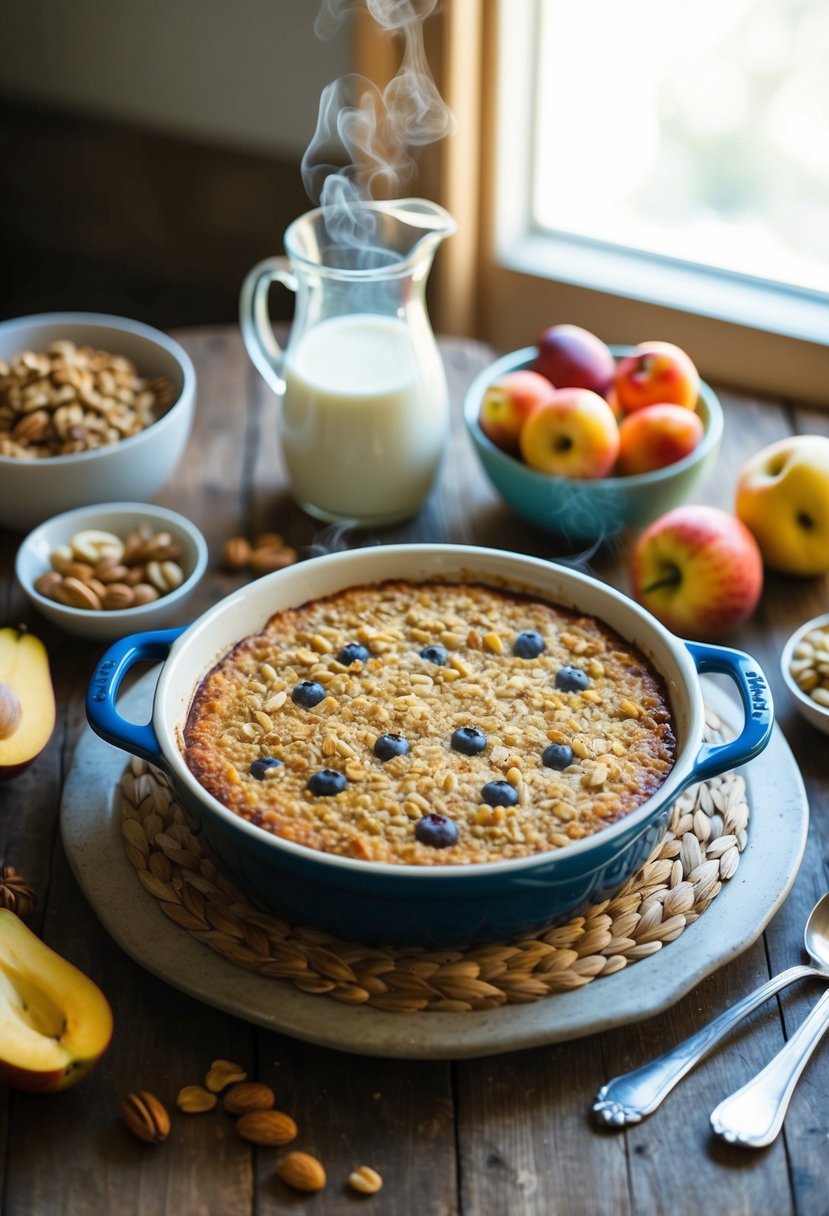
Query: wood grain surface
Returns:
{"type": "Point", "coordinates": [506, 1135]}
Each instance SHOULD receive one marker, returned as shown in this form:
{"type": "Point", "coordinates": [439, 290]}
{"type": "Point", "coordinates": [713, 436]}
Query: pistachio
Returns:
{"type": "Point", "coordinates": [145, 1117]}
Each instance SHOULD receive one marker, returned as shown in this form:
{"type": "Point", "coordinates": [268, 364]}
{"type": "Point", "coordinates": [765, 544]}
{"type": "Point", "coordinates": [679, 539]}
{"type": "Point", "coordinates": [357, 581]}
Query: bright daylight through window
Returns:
{"type": "Point", "coordinates": [700, 131]}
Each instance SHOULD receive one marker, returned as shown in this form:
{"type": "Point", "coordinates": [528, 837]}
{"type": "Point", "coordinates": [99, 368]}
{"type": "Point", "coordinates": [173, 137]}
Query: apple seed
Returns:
{"type": "Point", "coordinates": [11, 711]}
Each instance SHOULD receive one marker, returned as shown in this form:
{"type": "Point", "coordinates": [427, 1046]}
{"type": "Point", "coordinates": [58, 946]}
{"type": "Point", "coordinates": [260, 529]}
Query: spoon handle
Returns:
{"type": "Point", "coordinates": [754, 1114]}
{"type": "Point", "coordinates": [631, 1096]}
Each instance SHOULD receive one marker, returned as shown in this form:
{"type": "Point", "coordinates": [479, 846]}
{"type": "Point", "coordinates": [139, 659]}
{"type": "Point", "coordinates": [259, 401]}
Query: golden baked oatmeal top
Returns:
{"type": "Point", "coordinates": [431, 723]}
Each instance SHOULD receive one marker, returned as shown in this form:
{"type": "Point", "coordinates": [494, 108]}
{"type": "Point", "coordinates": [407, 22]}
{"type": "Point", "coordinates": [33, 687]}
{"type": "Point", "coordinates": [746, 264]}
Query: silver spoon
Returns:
{"type": "Point", "coordinates": [753, 1115]}
{"type": "Point", "coordinates": [631, 1096]}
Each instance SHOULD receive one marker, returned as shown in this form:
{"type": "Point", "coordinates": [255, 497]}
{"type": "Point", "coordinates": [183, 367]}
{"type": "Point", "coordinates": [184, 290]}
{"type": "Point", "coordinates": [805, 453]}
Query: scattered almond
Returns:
{"type": "Point", "coordinates": [195, 1099]}
{"type": "Point", "coordinates": [235, 553]}
{"type": "Point", "coordinates": [265, 553]}
{"type": "Point", "coordinates": [245, 1096]}
{"type": "Point", "coordinates": [266, 1127]}
{"type": "Point", "coordinates": [365, 1180]}
{"type": "Point", "coordinates": [302, 1172]}
{"type": "Point", "coordinates": [145, 1117]}
{"type": "Point", "coordinates": [223, 1073]}
{"type": "Point", "coordinates": [265, 561]}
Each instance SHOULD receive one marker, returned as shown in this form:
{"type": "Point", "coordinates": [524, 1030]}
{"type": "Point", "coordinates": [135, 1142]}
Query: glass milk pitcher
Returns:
{"type": "Point", "coordinates": [364, 416]}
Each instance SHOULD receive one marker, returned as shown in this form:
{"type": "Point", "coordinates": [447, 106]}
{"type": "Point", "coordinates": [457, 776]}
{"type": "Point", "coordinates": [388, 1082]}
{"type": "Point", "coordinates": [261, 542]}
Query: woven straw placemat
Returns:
{"type": "Point", "coordinates": [684, 874]}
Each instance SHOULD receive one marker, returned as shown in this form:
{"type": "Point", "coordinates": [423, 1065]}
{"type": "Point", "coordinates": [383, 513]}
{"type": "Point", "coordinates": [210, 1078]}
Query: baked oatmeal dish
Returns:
{"type": "Point", "coordinates": [430, 724]}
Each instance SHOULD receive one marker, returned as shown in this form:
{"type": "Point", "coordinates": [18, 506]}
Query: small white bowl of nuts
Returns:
{"type": "Point", "coordinates": [108, 571]}
{"type": "Point", "coordinates": [92, 408]}
{"type": "Point", "coordinates": [805, 668]}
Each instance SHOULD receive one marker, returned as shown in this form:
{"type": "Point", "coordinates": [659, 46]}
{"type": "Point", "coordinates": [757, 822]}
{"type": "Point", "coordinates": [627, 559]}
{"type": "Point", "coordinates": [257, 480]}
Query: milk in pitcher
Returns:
{"type": "Point", "coordinates": [364, 418]}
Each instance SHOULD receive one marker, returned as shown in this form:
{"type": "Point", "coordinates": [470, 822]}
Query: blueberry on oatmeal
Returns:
{"type": "Point", "coordinates": [326, 783]}
{"type": "Point", "coordinates": [528, 645]}
{"type": "Point", "coordinates": [572, 679]}
{"type": "Point", "coordinates": [307, 693]}
{"type": "Point", "coordinates": [434, 654]}
{"type": "Point", "coordinates": [261, 767]}
{"type": "Point", "coordinates": [558, 756]}
{"type": "Point", "coordinates": [386, 747]}
{"type": "Point", "coordinates": [436, 830]}
{"type": "Point", "coordinates": [499, 793]}
{"type": "Point", "coordinates": [468, 740]}
{"type": "Point", "coordinates": [353, 653]}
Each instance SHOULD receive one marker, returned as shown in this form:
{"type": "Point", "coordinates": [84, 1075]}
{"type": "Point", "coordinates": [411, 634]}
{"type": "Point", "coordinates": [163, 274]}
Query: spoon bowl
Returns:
{"type": "Point", "coordinates": [816, 934]}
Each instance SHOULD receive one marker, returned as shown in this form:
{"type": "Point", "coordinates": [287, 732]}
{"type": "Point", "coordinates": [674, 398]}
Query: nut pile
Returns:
{"type": "Point", "coordinates": [810, 666]}
{"type": "Point", "coordinates": [264, 554]}
{"type": "Point", "coordinates": [71, 399]}
{"type": "Point", "coordinates": [252, 1105]}
{"type": "Point", "coordinates": [97, 570]}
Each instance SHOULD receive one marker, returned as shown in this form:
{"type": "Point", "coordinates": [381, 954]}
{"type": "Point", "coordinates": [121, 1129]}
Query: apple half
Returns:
{"type": "Point", "coordinates": [55, 1023]}
{"type": "Point", "coordinates": [27, 700]}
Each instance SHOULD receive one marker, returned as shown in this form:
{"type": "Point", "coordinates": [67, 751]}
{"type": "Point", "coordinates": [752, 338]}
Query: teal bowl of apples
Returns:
{"type": "Point", "coordinates": [573, 461]}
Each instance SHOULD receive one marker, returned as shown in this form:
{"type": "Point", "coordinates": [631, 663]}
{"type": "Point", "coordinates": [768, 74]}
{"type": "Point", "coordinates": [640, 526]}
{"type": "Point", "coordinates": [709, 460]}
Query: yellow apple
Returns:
{"type": "Point", "coordinates": [55, 1023]}
{"type": "Point", "coordinates": [783, 498]}
{"type": "Point", "coordinates": [575, 434]}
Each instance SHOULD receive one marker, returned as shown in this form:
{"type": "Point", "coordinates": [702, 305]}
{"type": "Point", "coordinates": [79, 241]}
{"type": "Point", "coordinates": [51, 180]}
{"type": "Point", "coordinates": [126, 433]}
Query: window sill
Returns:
{"type": "Point", "coordinates": [753, 304]}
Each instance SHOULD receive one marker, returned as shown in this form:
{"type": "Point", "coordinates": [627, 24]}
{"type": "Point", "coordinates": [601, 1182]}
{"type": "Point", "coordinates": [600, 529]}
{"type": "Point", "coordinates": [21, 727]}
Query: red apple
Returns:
{"type": "Point", "coordinates": [571, 357]}
{"type": "Point", "coordinates": [574, 435]}
{"type": "Point", "coordinates": [508, 402]}
{"type": "Point", "coordinates": [55, 1023]}
{"type": "Point", "coordinates": [698, 570]}
{"type": "Point", "coordinates": [656, 436]}
{"type": "Point", "coordinates": [656, 373]}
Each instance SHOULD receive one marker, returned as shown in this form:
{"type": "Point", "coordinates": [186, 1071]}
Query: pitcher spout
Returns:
{"type": "Point", "coordinates": [423, 223]}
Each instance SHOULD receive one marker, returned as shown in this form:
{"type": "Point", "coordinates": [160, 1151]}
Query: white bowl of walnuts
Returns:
{"type": "Point", "coordinates": [92, 408]}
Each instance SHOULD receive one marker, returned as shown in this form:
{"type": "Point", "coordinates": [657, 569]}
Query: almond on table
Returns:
{"type": "Point", "coordinates": [302, 1172]}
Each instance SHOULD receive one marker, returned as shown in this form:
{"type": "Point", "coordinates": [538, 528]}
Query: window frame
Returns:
{"type": "Point", "coordinates": [755, 336]}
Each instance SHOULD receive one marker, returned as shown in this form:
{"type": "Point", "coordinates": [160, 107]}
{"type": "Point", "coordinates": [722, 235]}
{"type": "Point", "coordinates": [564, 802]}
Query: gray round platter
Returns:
{"type": "Point", "coordinates": [90, 822]}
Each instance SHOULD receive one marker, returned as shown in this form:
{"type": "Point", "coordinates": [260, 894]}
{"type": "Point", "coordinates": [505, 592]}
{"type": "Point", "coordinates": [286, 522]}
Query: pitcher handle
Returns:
{"type": "Point", "coordinates": [254, 317]}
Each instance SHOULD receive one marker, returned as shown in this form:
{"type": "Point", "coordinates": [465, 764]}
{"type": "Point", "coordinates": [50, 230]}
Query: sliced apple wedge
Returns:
{"type": "Point", "coordinates": [55, 1023]}
{"type": "Point", "coordinates": [27, 700]}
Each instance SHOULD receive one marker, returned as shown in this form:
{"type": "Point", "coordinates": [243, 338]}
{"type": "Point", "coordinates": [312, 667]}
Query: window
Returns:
{"type": "Point", "coordinates": [700, 132]}
{"type": "Point", "coordinates": [661, 169]}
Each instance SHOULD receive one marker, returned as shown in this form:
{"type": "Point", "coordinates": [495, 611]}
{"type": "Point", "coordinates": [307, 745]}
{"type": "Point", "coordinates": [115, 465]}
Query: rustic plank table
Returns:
{"type": "Point", "coordinates": [506, 1134]}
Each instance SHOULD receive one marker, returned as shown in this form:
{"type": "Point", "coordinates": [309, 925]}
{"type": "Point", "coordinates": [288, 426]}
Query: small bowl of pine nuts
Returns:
{"type": "Point", "coordinates": [92, 408]}
{"type": "Point", "coordinates": [805, 668]}
{"type": "Point", "coordinates": [108, 571]}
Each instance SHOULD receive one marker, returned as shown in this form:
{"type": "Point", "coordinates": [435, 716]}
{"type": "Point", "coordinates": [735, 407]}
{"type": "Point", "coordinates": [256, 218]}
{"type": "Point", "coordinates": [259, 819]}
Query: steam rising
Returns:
{"type": "Point", "coordinates": [364, 139]}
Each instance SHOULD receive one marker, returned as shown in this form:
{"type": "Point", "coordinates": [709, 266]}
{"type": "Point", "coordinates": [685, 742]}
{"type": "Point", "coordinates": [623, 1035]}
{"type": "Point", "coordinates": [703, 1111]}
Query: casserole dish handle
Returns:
{"type": "Point", "coordinates": [104, 718]}
{"type": "Point", "coordinates": [755, 694]}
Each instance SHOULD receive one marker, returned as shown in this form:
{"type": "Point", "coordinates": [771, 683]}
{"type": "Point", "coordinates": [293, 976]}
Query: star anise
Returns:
{"type": "Point", "coordinates": [15, 892]}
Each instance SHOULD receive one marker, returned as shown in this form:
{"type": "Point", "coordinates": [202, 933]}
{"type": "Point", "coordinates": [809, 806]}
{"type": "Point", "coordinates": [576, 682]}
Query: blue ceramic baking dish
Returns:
{"type": "Point", "coordinates": [435, 905]}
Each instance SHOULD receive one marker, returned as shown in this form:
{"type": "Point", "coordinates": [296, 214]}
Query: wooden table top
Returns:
{"type": "Point", "coordinates": [505, 1134]}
